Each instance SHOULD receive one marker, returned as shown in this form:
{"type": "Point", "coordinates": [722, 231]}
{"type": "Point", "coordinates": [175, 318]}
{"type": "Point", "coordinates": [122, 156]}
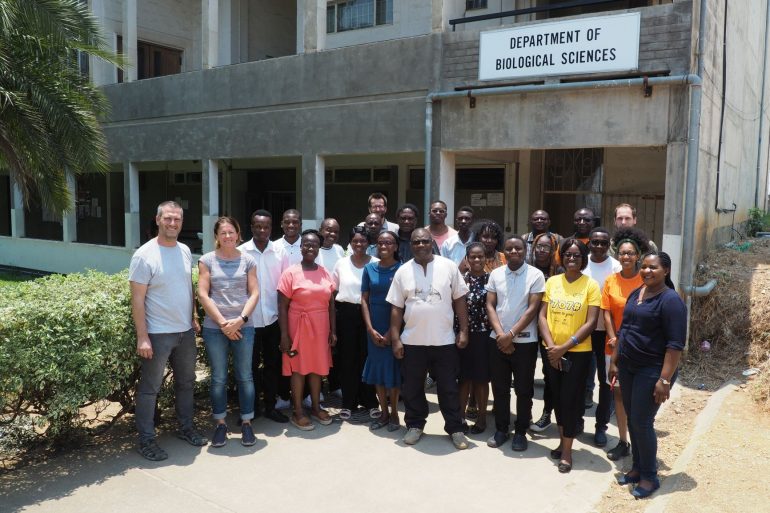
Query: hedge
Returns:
{"type": "Point", "coordinates": [65, 342]}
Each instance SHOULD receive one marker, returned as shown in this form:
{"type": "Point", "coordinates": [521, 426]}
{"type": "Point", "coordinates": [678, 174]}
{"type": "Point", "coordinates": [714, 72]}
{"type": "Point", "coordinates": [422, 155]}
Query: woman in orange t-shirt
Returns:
{"type": "Point", "coordinates": [631, 244]}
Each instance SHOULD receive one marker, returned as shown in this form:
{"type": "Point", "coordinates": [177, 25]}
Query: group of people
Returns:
{"type": "Point", "coordinates": [403, 306]}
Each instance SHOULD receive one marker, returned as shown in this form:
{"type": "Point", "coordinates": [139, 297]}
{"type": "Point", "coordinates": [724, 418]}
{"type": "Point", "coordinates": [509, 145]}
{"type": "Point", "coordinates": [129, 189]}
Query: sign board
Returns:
{"type": "Point", "coordinates": [570, 47]}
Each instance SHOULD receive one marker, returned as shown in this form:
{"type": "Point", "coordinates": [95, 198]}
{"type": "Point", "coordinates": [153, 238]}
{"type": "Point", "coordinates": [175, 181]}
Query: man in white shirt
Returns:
{"type": "Point", "coordinates": [330, 251]}
{"type": "Point", "coordinates": [162, 306]}
{"type": "Point", "coordinates": [455, 246]}
{"type": "Point", "coordinates": [271, 262]}
{"type": "Point", "coordinates": [426, 293]}
{"type": "Point", "coordinates": [291, 224]}
{"type": "Point", "coordinates": [514, 294]}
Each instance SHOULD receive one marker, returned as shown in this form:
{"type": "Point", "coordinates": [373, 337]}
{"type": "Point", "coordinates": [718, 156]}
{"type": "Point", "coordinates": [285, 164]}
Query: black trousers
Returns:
{"type": "Point", "coordinates": [266, 366]}
{"type": "Point", "coordinates": [598, 339]}
{"type": "Point", "coordinates": [547, 392]}
{"type": "Point", "coordinates": [351, 356]}
{"type": "Point", "coordinates": [522, 364]}
{"type": "Point", "coordinates": [443, 362]}
{"type": "Point", "coordinates": [568, 391]}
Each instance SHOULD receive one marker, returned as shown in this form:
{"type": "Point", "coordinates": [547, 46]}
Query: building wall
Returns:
{"type": "Point", "coordinates": [272, 28]}
{"type": "Point", "coordinates": [739, 182]}
{"type": "Point", "coordinates": [172, 23]}
{"type": "Point", "coordinates": [410, 18]}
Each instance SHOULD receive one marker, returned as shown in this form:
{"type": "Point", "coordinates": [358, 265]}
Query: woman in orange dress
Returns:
{"type": "Point", "coordinates": [491, 237]}
{"type": "Point", "coordinates": [307, 319]}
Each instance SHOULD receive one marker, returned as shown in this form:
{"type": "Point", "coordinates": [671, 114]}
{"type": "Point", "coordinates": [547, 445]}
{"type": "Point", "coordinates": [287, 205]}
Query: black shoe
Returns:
{"type": "Point", "coordinates": [247, 435]}
{"type": "Point", "coordinates": [498, 439]}
{"type": "Point", "coordinates": [600, 438]}
{"type": "Point", "coordinates": [542, 423]}
{"type": "Point", "coordinates": [621, 450]}
{"type": "Point", "coordinates": [276, 416]}
{"type": "Point", "coordinates": [220, 436]}
{"type": "Point", "coordinates": [519, 442]}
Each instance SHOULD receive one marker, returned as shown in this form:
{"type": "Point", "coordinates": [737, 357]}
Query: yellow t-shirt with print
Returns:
{"type": "Point", "coordinates": [568, 307]}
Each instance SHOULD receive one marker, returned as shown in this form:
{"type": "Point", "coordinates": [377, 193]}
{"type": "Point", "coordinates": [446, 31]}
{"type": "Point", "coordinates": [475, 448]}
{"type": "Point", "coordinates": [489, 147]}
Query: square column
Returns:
{"type": "Point", "coordinates": [311, 25]}
{"type": "Point", "coordinates": [446, 184]}
{"type": "Point", "coordinates": [130, 74]}
{"type": "Point", "coordinates": [313, 185]}
{"type": "Point", "coordinates": [210, 34]}
{"type": "Point", "coordinates": [210, 210]}
{"type": "Point", "coordinates": [101, 72]}
{"type": "Point", "coordinates": [18, 228]}
{"type": "Point", "coordinates": [70, 219]}
{"type": "Point", "coordinates": [673, 206]}
{"type": "Point", "coordinates": [131, 202]}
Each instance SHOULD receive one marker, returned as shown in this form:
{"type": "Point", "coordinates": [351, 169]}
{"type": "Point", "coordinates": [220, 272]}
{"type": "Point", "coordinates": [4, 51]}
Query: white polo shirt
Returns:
{"type": "Point", "coordinates": [454, 249]}
{"type": "Point", "coordinates": [426, 296]}
{"type": "Point", "coordinates": [291, 250]}
{"type": "Point", "coordinates": [327, 257]}
{"type": "Point", "coordinates": [513, 289]}
{"type": "Point", "coordinates": [599, 272]}
{"type": "Point", "coordinates": [270, 264]}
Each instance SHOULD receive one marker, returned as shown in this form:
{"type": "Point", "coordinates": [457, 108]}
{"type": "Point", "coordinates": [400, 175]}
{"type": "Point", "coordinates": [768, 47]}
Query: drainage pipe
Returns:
{"type": "Point", "coordinates": [693, 141]}
{"type": "Point", "coordinates": [700, 290]}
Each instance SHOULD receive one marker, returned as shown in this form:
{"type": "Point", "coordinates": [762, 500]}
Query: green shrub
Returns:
{"type": "Point", "coordinates": [759, 221]}
{"type": "Point", "coordinates": [65, 342]}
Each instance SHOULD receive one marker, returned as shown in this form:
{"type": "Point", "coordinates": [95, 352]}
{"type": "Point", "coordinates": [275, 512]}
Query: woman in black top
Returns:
{"type": "Point", "coordinates": [650, 343]}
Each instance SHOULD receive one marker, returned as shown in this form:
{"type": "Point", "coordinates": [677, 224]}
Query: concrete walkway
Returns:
{"type": "Point", "coordinates": [342, 468]}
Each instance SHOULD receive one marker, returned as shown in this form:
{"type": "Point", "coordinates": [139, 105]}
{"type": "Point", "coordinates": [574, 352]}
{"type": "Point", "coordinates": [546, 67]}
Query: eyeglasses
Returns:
{"type": "Point", "coordinates": [543, 247]}
{"type": "Point", "coordinates": [627, 253]}
{"type": "Point", "coordinates": [572, 256]}
{"type": "Point", "coordinates": [604, 243]}
{"type": "Point", "coordinates": [421, 242]}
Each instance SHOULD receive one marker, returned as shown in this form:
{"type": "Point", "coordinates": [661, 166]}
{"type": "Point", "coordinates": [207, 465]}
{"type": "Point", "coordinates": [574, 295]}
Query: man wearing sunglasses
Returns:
{"type": "Point", "coordinates": [426, 294]}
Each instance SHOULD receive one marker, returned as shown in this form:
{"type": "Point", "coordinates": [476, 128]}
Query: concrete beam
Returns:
{"type": "Point", "coordinates": [210, 210]}
{"type": "Point", "coordinates": [131, 202]}
{"type": "Point", "coordinates": [18, 228]}
{"type": "Point", "coordinates": [130, 74]}
{"type": "Point", "coordinates": [70, 219]}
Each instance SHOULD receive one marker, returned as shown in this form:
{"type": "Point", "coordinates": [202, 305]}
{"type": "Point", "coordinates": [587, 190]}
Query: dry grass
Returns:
{"type": "Point", "coordinates": [734, 318]}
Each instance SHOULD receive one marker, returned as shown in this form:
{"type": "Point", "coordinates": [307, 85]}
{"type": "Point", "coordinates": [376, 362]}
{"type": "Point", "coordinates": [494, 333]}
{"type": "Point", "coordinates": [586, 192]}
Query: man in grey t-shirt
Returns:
{"type": "Point", "coordinates": [162, 306]}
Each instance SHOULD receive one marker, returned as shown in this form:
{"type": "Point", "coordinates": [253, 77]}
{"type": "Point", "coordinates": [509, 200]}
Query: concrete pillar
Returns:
{"type": "Point", "coordinates": [313, 187]}
{"type": "Point", "coordinates": [446, 183]}
{"type": "Point", "coordinates": [210, 190]}
{"type": "Point", "coordinates": [520, 204]}
{"type": "Point", "coordinates": [210, 33]}
{"type": "Point", "coordinates": [101, 72]}
{"type": "Point", "coordinates": [69, 219]}
{"type": "Point", "coordinates": [130, 74]}
{"type": "Point", "coordinates": [18, 228]}
{"type": "Point", "coordinates": [673, 206]}
{"type": "Point", "coordinates": [131, 202]}
{"type": "Point", "coordinates": [311, 25]}
{"type": "Point", "coordinates": [228, 32]}
{"type": "Point", "coordinates": [403, 183]}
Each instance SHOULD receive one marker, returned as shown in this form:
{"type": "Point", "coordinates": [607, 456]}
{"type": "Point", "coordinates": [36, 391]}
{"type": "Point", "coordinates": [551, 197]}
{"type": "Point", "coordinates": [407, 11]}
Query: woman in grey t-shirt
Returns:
{"type": "Point", "coordinates": [229, 291]}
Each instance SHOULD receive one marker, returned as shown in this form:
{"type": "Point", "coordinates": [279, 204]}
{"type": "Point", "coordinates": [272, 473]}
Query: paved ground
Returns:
{"type": "Point", "coordinates": [341, 468]}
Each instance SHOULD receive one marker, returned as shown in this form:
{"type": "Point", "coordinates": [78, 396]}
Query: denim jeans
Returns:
{"type": "Point", "coordinates": [218, 346]}
{"type": "Point", "coordinates": [638, 386]}
{"type": "Point", "coordinates": [179, 350]}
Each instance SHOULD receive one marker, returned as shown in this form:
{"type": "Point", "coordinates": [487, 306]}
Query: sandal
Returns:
{"type": "Point", "coordinates": [322, 417]}
{"type": "Point", "coordinates": [345, 414]}
{"type": "Point", "coordinates": [477, 428]}
{"type": "Point", "coordinates": [151, 451]}
{"type": "Point", "coordinates": [393, 426]}
{"type": "Point", "coordinates": [377, 424]}
{"type": "Point", "coordinates": [564, 467]}
{"type": "Point", "coordinates": [375, 413]}
{"type": "Point", "coordinates": [302, 427]}
{"type": "Point", "coordinates": [192, 437]}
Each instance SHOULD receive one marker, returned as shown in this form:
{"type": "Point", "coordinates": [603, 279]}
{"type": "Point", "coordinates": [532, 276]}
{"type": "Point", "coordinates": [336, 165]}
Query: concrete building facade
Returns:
{"type": "Point", "coordinates": [233, 105]}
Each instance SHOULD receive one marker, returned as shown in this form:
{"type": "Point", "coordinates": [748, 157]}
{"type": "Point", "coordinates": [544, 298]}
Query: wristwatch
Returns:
{"type": "Point", "coordinates": [664, 381]}
{"type": "Point", "coordinates": [245, 318]}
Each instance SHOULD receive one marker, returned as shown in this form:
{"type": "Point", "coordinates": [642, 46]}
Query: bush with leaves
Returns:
{"type": "Point", "coordinates": [65, 343]}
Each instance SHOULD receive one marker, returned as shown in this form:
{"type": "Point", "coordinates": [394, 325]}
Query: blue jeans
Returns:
{"type": "Point", "coordinates": [638, 387]}
{"type": "Point", "coordinates": [218, 347]}
{"type": "Point", "coordinates": [179, 350]}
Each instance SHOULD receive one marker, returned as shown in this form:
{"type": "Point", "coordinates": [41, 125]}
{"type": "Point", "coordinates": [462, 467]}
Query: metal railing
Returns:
{"type": "Point", "coordinates": [528, 10]}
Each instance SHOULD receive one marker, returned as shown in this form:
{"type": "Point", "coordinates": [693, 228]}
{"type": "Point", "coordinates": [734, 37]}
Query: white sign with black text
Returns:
{"type": "Point", "coordinates": [585, 45]}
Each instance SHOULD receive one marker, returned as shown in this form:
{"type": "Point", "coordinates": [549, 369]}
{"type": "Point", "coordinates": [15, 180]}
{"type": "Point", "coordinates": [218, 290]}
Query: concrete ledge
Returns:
{"type": "Point", "coordinates": [62, 257]}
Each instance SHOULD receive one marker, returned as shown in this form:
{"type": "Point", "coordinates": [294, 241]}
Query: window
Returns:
{"type": "Point", "coordinates": [359, 175]}
{"type": "Point", "coordinates": [475, 4]}
{"type": "Point", "coordinates": [153, 60]}
{"type": "Point", "coordinates": [358, 14]}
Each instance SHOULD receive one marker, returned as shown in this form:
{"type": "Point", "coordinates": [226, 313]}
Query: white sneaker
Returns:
{"type": "Point", "coordinates": [412, 436]}
{"type": "Point", "coordinates": [282, 404]}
